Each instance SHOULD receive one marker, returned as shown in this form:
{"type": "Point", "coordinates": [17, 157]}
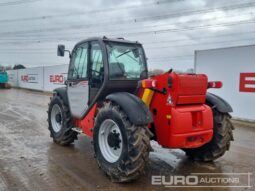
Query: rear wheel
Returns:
{"type": "Point", "coordinates": [60, 124]}
{"type": "Point", "coordinates": [220, 143]}
{"type": "Point", "coordinates": [121, 148]}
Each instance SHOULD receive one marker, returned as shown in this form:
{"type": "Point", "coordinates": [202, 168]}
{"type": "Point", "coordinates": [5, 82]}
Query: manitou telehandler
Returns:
{"type": "Point", "coordinates": [110, 98]}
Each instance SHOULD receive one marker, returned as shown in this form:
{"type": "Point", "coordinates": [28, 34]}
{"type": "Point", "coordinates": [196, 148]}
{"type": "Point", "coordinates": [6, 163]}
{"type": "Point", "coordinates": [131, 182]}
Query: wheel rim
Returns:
{"type": "Point", "coordinates": [110, 140]}
{"type": "Point", "coordinates": [56, 118]}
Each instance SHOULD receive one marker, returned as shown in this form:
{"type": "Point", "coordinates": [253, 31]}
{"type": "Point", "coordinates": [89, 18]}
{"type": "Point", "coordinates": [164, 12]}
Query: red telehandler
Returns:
{"type": "Point", "coordinates": [110, 98]}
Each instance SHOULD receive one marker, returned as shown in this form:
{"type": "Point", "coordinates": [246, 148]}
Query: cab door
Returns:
{"type": "Point", "coordinates": [77, 83]}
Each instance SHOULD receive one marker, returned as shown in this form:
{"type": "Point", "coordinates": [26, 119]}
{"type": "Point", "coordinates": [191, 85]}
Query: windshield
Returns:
{"type": "Point", "coordinates": [126, 61]}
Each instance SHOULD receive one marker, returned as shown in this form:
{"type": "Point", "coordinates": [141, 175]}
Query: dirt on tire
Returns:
{"type": "Point", "coordinates": [66, 135]}
{"type": "Point", "coordinates": [136, 146]}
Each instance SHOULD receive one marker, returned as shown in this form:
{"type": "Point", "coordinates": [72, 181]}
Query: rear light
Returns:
{"type": "Point", "coordinates": [169, 100]}
{"type": "Point", "coordinates": [148, 83]}
{"type": "Point", "coordinates": [216, 84]}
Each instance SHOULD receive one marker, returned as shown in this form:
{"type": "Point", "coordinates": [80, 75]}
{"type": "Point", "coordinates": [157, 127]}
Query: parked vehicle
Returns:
{"type": "Point", "coordinates": [110, 98]}
{"type": "Point", "coordinates": [4, 79]}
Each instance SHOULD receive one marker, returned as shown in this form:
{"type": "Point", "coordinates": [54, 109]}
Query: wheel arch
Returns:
{"type": "Point", "coordinates": [217, 102]}
{"type": "Point", "coordinates": [136, 110]}
{"type": "Point", "coordinates": [62, 92]}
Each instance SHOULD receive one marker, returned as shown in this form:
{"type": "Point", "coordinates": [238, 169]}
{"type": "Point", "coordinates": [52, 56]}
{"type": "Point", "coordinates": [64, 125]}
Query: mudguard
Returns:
{"type": "Point", "coordinates": [220, 104]}
{"type": "Point", "coordinates": [62, 92]}
{"type": "Point", "coordinates": [137, 112]}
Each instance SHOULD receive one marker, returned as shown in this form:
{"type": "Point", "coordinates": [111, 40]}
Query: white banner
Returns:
{"type": "Point", "coordinates": [235, 67]}
{"type": "Point", "coordinates": [31, 78]}
{"type": "Point", "coordinates": [45, 78]}
{"type": "Point", "coordinates": [54, 77]}
{"type": "Point", "coordinates": [13, 77]}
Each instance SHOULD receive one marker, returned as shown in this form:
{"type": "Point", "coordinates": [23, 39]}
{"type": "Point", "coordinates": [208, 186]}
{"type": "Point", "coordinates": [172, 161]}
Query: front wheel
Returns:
{"type": "Point", "coordinates": [220, 143]}
{"type": "Point", "coordinates": [121, 148]}
{"type": "Point", "coordinates": [60, 122]}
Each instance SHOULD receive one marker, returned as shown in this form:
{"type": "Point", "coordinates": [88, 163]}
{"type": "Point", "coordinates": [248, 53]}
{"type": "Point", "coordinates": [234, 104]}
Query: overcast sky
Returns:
{"type": "Point", "coordinates": [170, 30]}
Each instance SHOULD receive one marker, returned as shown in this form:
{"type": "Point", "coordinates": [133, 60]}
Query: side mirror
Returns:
{"type": "Point", "coordinates": [61, 50]}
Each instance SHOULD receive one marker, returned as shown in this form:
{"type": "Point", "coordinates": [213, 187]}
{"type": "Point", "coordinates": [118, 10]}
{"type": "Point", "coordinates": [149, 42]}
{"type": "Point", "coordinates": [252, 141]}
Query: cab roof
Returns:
{"type": "Point", "coordinates": [104, 38]}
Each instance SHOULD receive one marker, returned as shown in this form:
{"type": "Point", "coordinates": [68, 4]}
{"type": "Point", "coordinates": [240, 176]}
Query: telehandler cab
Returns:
{"type": "Point", "coordinates": [110, 98]}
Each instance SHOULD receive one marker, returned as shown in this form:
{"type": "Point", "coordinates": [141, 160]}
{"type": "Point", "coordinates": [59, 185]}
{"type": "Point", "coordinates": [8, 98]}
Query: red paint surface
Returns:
{"type": "Point", "coordinates": [87, 124]}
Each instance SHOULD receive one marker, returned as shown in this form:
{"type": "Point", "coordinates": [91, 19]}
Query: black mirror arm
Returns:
{"type": "Point", "coordinates": [69, 52]}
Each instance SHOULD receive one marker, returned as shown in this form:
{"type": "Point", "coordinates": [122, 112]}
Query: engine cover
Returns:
{"type": "Point", "coordinates": [187, 88]}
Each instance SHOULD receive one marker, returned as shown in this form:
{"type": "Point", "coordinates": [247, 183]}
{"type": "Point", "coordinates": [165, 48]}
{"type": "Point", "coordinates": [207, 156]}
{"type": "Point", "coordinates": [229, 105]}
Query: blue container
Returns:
{"type": "Point", "coordinates": [3, 77]}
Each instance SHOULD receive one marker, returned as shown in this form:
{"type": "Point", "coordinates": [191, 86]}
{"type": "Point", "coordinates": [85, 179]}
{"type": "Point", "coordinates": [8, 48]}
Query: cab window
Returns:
{"type": "Point", "coordinates": [97, 67]}
{"type": "Point", "coordinates": [126, 61]}
{"type": "Point", "coordinates": [79, 63]}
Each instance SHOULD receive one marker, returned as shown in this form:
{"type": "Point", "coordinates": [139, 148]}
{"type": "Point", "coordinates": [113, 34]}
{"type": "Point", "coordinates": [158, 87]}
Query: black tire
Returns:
{"type": "Point", "coordinates": [66, 135]}
{"type": "Point", "coordinates": [220, 143]}
{"type": "Point", "coordinates": [136, 145]}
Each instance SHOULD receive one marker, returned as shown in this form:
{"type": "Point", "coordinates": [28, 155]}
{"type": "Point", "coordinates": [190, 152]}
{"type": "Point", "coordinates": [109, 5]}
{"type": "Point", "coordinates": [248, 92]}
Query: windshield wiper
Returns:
{"type": "Point", "coordinates": [126, 52]}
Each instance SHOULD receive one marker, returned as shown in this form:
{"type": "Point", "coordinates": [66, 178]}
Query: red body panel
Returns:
{"type": "Point", "coordinates": [87, 123]}
{"type": "Point", "coordinates": [183, 121]}
{"type": "Point", "coordinates": [186, 122]}
{"type": "Point", "coordinates": [190, 126]}
{"type": "Point", "coordinates": [187, 89]}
